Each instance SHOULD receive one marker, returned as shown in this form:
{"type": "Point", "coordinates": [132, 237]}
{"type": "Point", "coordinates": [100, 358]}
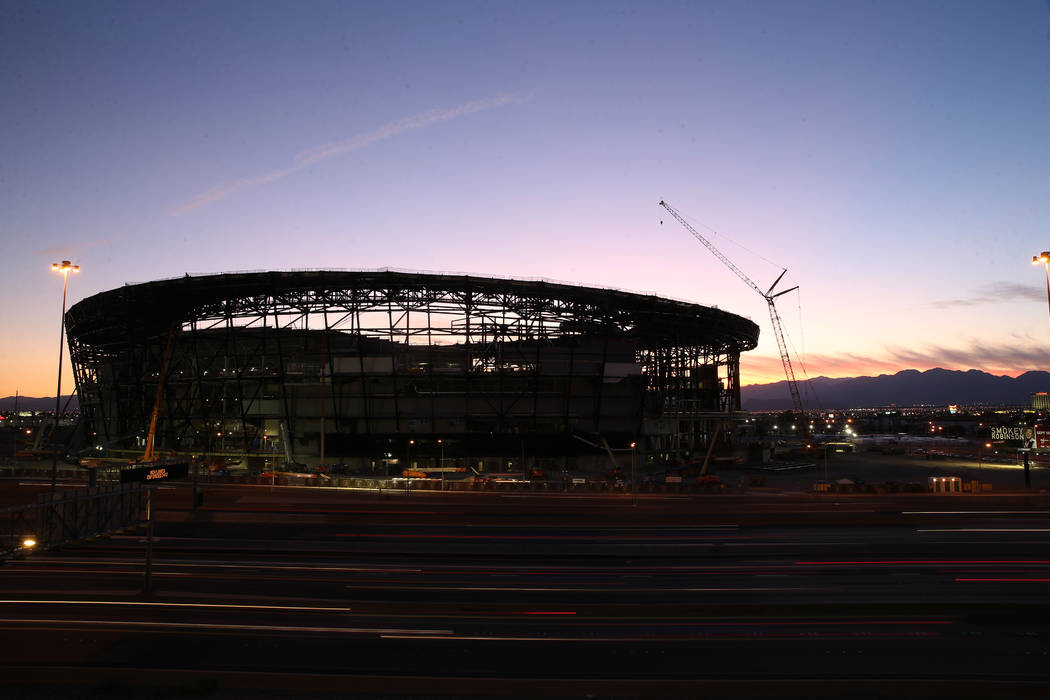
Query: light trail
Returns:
{"type": "Point", "coordinates": [975, 512]}
{"type": "Point", "coordinates": [1008, 580]}
{"type": "Point", "coordinates": [895, 562]}
{"type": "Point", "coordinates": [988, 529]}
{"type": "Point", "coordinates": [750, 636]}
{"type": "Point", "coordinates": [288, 567]}
{"type": "Point", "coordinates": [293, 608]}
{"type": "Point", "coordinates": [587, 538]}
{"type": "Point", "coordinates": [818, 511]}
{"type": "Point", "coordinates": [588, 590]}
{"type": "Point", "coordinates": [556, 612]}
{"type": "Point", "coordinates": [213, 565]}
{"type": "Point", "coordinates": [224, 628]}
{"type": "Point", "coordinates": [137, 572]}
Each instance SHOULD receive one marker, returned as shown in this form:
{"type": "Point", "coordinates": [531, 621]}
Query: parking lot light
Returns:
{"type": "Point", "coordinates": [64, 267]}
{"type": "Point", "coordinates": [1044, 259]}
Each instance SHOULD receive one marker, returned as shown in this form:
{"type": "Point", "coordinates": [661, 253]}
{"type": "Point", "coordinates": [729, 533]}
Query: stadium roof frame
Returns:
{"type": "Point", "coordinates": [150, 308]}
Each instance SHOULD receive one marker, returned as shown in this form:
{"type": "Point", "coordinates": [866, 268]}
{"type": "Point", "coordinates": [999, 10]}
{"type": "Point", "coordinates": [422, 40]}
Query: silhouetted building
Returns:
{"type": "Point", "coordinates": [392, 365]}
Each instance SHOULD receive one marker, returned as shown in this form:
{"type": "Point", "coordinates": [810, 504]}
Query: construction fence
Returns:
{"type": "Point", "coordinates": [72, 516]}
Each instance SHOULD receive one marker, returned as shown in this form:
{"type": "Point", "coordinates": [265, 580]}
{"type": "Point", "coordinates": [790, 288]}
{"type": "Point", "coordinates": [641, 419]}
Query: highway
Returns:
{"type": "Point", "coordinates": [311, 591]}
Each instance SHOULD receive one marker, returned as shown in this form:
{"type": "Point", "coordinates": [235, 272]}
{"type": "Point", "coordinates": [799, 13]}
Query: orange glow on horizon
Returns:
{"type": "Point", "coordinates": [759, 369]}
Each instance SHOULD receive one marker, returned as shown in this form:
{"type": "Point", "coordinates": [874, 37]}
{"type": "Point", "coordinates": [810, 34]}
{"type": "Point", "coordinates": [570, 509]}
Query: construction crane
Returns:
{"type": "Point", "coordinates": [149, 455]}
{"type": "Point", "coordinates": [768, 295]}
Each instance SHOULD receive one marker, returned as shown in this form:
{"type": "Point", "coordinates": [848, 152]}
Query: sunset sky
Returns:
{"type": "Point", "coordinates": [893, 156]}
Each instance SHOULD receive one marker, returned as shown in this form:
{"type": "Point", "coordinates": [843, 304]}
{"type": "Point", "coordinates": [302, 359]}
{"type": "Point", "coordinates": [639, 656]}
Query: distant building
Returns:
{"type": "Point", "coordinates": [1041, 401]}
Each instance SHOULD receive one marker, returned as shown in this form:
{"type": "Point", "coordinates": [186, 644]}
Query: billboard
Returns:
{"type": "Point", "coordinates": [155, 472]}
{"type": "Point", "coordinates": [1031, 438]}
{"type": "Point", "coordinates": [1008, 433]}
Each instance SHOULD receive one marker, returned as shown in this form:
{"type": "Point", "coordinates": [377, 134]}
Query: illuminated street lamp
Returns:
{"type": "Point", "coordinates": [1044, 258]}
{"type": "Point", "coordinates": [65, 267]}
{"type": "Point", "coordinates": [406, 473]}
{"type": "Point", "coordinates": [441, 462]}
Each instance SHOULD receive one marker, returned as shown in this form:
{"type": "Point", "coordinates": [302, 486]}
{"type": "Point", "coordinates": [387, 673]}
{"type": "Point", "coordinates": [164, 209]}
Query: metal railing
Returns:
{"type": "Point", "coordinates": [72, 516]}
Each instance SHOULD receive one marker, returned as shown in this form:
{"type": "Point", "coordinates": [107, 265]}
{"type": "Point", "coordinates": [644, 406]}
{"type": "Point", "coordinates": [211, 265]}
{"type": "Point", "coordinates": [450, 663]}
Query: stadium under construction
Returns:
{"type": "Point", "coordinates": [380, 368]}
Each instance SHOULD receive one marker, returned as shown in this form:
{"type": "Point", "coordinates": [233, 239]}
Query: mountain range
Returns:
{"type": "Point", "coordinates": [908, 387]}
{"type": "Point", "coordinates": [30, 403]}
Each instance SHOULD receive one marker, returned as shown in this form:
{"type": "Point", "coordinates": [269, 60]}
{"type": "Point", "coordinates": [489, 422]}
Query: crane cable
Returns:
{"type": "Point", "coordinates": [798, 356]}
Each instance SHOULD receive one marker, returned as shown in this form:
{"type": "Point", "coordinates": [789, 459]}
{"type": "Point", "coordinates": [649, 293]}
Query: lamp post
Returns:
{"type": "Point", "coordinates": [273, 462]}
{"type": "Point", "coordinates": [407, 474]}
{"type": "Point", "coordinates": [980, 458]}
{"type": "Point", "coordinates": [634, 484]}
{"type": "Point", "coordinates": [1044, 258]}
{"type": "Point", "coordinates": [826, 463]}
{"type": "Point", "coordinates": [441, 462]}
{"type": "Point", "coordinates": [64, 267]}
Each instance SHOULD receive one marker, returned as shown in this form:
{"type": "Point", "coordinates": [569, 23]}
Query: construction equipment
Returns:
{"type": "Point", "coordinates": [768, 295]}
{"type": "Point", "coordinates": [149, 456]}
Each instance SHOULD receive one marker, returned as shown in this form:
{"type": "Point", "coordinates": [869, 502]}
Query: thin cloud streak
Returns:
{"type": "Point", "coordinates": [338, 148]}
{"type": "Point", "coordinates": [74, 249]}
{"type": "Point", "coordinates": [994, 293]}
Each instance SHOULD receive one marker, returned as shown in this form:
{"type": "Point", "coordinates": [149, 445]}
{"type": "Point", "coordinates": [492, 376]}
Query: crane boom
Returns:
{"type": "Point", "coordinates": [768, 295]}
{"type": "Point", "coordinates": [717, 253]}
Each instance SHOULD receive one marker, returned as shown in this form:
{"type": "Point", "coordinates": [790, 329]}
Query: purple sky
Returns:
{"type": "Point", "coordinates": [894, 156]}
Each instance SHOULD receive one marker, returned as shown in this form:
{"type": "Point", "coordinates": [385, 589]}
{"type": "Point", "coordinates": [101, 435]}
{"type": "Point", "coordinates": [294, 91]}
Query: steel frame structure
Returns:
{"type": "Point", "coordinates": [382, 362]}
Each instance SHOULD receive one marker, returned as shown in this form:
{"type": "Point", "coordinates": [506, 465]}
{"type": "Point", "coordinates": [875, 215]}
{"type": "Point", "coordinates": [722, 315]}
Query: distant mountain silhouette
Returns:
{"type": "Point", "coordinates": [29, 403]}
{"type": "Point", "coordinates": [908, 387]}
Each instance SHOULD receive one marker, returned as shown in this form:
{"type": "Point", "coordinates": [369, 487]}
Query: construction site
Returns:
{"type": "Point", "coordinates": [381, 372]}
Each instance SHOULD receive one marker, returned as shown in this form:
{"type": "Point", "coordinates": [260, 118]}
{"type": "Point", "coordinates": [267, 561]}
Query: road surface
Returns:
{"type": "Point", "coordinates": [313, 592]}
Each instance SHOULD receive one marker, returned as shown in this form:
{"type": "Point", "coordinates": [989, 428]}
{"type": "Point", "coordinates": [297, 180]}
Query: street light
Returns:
{"type": "Point", "coordinates": [1044, 258]}
{"type": "Point", "coordinates": [407, 473]}
{"type": "Point", "coordinates": [826, 446]}
{"type": "Point", "coordinates": [441, 462]}
{"type": "Point", "coordinates": [64, 267]}
{"type": "Point", "coordinates": [980, 458]}
{"type": "Point", "coordinates": [634, 484]}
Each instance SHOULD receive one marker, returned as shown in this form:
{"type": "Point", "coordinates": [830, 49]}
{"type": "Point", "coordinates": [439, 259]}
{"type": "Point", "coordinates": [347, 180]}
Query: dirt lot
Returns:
{"type": "Point", "coordinates": [876, 468]}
